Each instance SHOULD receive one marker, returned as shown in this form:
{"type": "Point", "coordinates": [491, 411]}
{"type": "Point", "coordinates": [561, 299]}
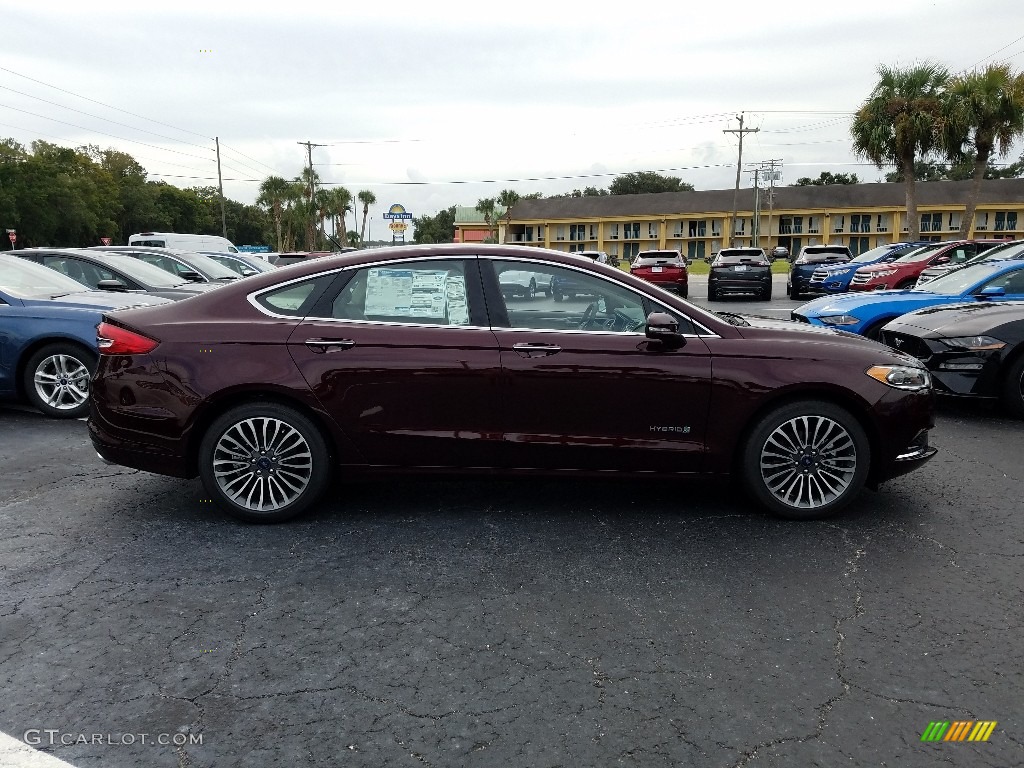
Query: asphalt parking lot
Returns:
{"type": "Point", "coordinates": [513, 622]}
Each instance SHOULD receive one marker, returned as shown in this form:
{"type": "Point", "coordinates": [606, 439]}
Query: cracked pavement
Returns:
{"type": "Point", "coordinates": [512, 622]}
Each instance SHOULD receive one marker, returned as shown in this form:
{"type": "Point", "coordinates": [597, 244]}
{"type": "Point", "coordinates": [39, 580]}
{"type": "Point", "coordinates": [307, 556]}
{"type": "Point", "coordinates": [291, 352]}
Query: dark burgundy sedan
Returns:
{"type": "Point", "coordinates": [412, 358]}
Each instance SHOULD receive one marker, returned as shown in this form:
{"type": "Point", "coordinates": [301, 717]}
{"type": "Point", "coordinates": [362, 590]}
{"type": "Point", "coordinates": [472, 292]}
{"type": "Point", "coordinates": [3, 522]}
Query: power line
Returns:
{"type": "Point", "coordinates": [101, 133]}
{"type": "Point", "coordinates": [258, 162]}
{"type": "Point", "coordinates": [108, 106]}
{"type": "Point", "coordinates": [1001, 49]}
{"type": "Point", "coordinates": [97, 117]}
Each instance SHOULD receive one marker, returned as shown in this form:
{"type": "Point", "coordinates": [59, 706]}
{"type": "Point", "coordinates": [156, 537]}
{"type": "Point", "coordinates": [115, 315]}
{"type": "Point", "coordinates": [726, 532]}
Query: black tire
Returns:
{"type": "Point", "coordinates": [783, 468]}
{"type": "Point", "coordinates": [712, 294]}
{"type": "Point", "coordinates": [558, 296]}
{"type": "Point", "coordinates": [531, 290]}
{"type": "Point", "coordinates": [684, 291]}
{"type": "Point", "coordinates": [794, 292]}
{"type": "Point", "coordinates": [766, 294]}
{"type": "Point", "coordinates": [1012, 395]}
{"type": "Point", "coordinates": [274, 466]}
{"type": "Point", "coordinates": [907, 284]}
{"type": "Point", "coordinates": [874, 331]}
{"type": "Point", "coordinates": [56, 380]}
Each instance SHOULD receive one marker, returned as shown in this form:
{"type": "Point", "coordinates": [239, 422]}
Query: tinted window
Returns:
{"type": "Point", "coordinates": [294, 300]}
{"type": "Point", "coordinates": [730, 259]}
{"type": "Point", "coordinates": [140, 270]}
{"type": "Point", "coordinates": [29, 280]}
{"type": "Point", "coordinates": [614, 307]}
{"type": "Point", "coordinates": [427, 292]}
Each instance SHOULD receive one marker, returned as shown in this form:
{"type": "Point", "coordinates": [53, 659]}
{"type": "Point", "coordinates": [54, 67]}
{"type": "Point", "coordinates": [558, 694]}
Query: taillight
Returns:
{"type": "Point", "coordinates": [114, 340]}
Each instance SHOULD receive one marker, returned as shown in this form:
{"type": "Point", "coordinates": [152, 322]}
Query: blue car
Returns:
{"type": "Point", "coordinates": [48, 335]}
{"type": "Point", "coordinates": [866, 313]}
{"type": "Point", "coordinates": [835, 278]}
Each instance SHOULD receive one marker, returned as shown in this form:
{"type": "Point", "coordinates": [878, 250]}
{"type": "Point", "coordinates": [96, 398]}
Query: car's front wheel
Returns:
{"type": "Point", "coordinates": [806, 460]}
{"type": "Point", "coordinates": [56, 380]}
{"type": "Point", "coordinates": [264, 462]}
{"type": "Point", "coordinates": [794, 292]}
{"type": "Point", "coordinates": [1013, 389]}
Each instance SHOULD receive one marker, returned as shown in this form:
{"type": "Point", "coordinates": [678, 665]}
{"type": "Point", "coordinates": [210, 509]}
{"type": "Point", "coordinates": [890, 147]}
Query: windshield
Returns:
{"type": "Point", "coordinates": [28, 280]}
{"type": "Point", "coordinates": [1011, 250]}
{"type": "Point", "coordinates": [235, 265]}
{"type": "Point", "coordinates": [923, 253]}
{"type": "Point", "coordinates": [959, 280]}
{"type": "Point", "coordinates": [145, 273]}
{"type": "Point", "coordinates": [209, 267]}
{"type": "Point", "coordinates": [874, 254]}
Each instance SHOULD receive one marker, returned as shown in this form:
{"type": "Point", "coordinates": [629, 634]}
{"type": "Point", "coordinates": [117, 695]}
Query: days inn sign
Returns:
{"type": "Point", "coordinates": [398, 216]}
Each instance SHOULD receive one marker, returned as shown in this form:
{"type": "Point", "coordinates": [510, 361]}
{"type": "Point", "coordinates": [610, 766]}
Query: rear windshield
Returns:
{"type": "Point", "coordinates": [820, 253]}
{"type": "Point", "coordinates": [729, 259]}
{"type": "Point", "coordinates": [648, 258]}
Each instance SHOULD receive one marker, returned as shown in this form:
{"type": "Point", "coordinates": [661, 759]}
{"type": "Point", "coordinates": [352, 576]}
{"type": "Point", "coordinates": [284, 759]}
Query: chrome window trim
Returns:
{"type": "Point", "coordinates": [703, 331]}
{"type": "Point", "coordinates": [707, 332]}
{"type": "Point", "coordinates": [253, 297]}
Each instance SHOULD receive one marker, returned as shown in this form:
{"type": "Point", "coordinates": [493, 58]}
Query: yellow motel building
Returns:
{"type": "Point", "coordinates": [698, 223]}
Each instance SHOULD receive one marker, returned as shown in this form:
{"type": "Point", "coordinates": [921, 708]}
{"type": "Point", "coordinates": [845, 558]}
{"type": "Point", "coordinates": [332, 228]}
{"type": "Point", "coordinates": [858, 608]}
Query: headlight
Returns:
{"type": "Point", "coordinates": [900, 376]}
{"type": "Point", "coordinates": [839, 320]}
{"type": "Point", "coordinates": [977, 343]}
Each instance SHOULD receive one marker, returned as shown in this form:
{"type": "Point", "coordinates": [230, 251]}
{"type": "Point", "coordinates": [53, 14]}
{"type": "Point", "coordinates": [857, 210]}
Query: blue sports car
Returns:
{"type": "Point", "coordinates": [866, 313]}
{"type": "Point", "coordinates": [48, 335]}
{"type": "Point", "coordinates": [835, 278]}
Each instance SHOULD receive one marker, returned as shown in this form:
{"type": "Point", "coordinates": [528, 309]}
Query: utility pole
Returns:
{"type": "Point", "coordinates": [309, 154]}
{"type": "Point", "coordinates": [739, 166]}
{"type": "Point", "coordinates": [311, 228]}
{"type": "Point", "coordinates": [769, 167]}
{"type": "Point", "coordinates": [220, 188]}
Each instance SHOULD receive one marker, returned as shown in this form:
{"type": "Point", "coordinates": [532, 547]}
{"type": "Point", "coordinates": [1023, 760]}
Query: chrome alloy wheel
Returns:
{"type": "Point", "coordinates": [262, 464]}
{"type": "Point", "coordinates": [62, 382]}
{"type": "Point", "coordinates": [808, 462]}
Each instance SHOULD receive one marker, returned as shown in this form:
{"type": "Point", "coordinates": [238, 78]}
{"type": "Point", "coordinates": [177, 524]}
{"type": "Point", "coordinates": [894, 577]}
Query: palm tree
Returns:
{"type": "Point", "coordinates": [341, 204]}
{"type": "Point", "coordinates": [367, 198]}
{"type": "Point", "coordinates": [901, 120]}
{"type": "Point", "coordinates": [486, 207]}
{"type": "Point", "coordinates": [273, 194]}
{"type": "Point", "coordinates": [984, 115]}
{"type": "Point", "coordinates": [508, 198]}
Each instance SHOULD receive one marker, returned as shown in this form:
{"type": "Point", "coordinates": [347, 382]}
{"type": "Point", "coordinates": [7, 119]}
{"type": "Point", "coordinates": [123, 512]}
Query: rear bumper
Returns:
{"type": "Point", "coordinates": [115, 447]}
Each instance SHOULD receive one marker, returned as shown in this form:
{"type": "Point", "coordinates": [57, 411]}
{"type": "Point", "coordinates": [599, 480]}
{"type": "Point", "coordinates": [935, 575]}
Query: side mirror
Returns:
{"type": "Point", "coordinates": [192, 276]}
{"type": "Point", "coordinates": [662, 327]}
{"type": "Point", "coordinates": [992, 292]}
{"type": "Point", "coordinates": [112, 285]}
{"type": "Point", "coordinates": [941, 260]}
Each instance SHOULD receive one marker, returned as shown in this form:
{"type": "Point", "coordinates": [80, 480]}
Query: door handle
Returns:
{"type": "Point", "coordinates": [536, 349]}
{"type": "Point", "coordinates": [320, 346]}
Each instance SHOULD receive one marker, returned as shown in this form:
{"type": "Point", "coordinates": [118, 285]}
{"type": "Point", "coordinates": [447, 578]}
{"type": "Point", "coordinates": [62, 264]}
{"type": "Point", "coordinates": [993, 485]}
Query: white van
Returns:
{"type": "Point", "coordinates": [195, 243]}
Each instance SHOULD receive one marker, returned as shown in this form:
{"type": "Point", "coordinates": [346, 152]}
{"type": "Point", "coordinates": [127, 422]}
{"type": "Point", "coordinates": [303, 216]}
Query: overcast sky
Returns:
{"type": "Point", "coordinates": [443, 103]}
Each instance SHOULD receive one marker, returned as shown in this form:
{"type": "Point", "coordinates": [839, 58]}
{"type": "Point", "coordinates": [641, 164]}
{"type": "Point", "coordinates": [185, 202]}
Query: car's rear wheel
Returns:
{"type": "Point", "coordinates": [531, 290]}
{"type": "Point", "coordinates": [558, 295]}
{"type": "Point", "coordinates": [264, 462]}
{"type": "Point", "coordinates": [766, 294]}
{"type": "Point", "coordinates": [56, 380]}
{"type": "Point", "coordinates": [806, 460]}
{"type": "Point", "coordinates": [1013, 389]}
{"type": "Point", "coordinates": [683, 290]}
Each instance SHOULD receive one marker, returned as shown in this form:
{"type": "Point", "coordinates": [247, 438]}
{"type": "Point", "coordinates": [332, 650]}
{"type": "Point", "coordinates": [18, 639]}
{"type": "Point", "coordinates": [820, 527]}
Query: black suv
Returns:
{"type": "Point", "coordinates": [811, 257]}
{"type": "Point", "coordinates": [740, 270]}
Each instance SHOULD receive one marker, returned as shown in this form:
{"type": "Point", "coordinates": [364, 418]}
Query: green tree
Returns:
{"type": "Point", "coordinates": [826, 178]}
{"type": "Point", "coordinates": [486, 206]}
{"type": "Point", "coordinates": [367, 198]}
{"type": "Point", "coordinates": [273, 194]}
{"type": "Point", "coordinates": [643, 182]}
{"type": "Point", "coordinates": [984, 113]}
{"type": "Point", "coordinates": [340, 205]}
{"type": "Point", "coordinates": [899, 121]}
{"type": "Point", "coordinates": [435, 229]}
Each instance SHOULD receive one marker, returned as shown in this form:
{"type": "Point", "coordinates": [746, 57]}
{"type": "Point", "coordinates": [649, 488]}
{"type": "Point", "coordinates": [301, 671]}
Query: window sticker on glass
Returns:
{"type": "Point", "coordinates": [429, 294]}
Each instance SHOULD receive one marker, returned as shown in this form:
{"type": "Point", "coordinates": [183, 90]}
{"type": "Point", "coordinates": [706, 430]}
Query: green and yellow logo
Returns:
{"type": "Point", "coordinates": [959, 730]}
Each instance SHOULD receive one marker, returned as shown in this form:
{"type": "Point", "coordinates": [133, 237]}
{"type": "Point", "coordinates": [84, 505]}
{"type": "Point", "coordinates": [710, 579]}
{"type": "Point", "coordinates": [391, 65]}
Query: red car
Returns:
{"type": "Point", "coordinates": [904, 271]}
{"type": "Point", "coordinates": [411, 358]}
{"type": "Point", "coordinates": [664, 268]}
